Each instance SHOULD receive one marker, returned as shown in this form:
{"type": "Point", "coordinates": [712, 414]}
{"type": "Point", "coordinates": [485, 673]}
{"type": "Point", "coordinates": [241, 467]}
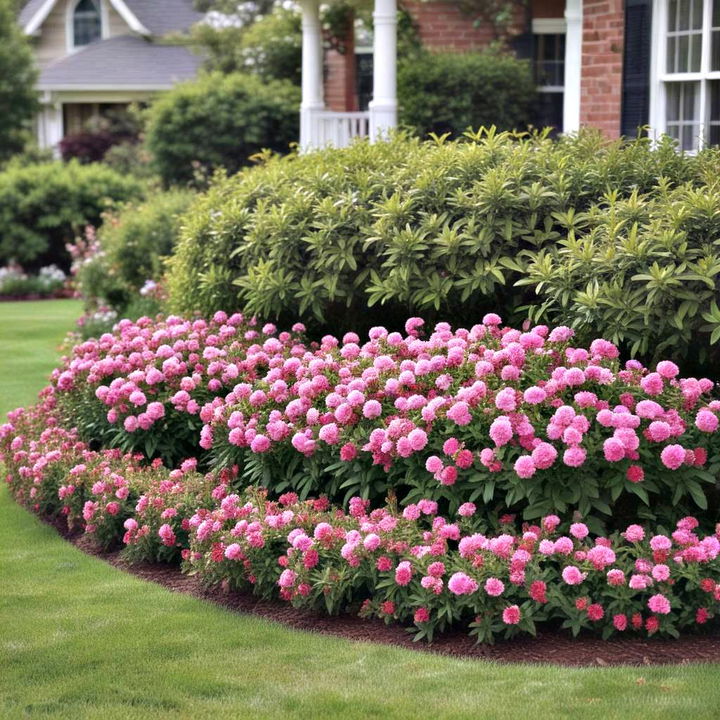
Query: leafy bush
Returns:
{"type": "Point", "coordinates": [87, 147]}
{"type": "Point", "coordinates": [348, 239]}
{"type": "Point", "coordinates": [43, 207]}
{"type": "Point", "coordinates": [640, 270]}
{"type": "Point", "coordinates": [220, 121]}
{"type": "Point", "coordinates": [132, 247]}
{"type": "Point", "coordinates": [451, 92]}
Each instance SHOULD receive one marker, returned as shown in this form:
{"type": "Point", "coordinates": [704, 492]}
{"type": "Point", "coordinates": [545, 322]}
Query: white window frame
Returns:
{"type": "Point", "coordinates": [550, 26]}
{"type": "Point", "coordinates": [70, 26]}
{"type": "Point", "coordinates": [660, 78]}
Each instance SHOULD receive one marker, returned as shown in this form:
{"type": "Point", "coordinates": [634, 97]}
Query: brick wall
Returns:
{"type": "Point", "coordinates": [442, 25]}
{"type": "Point", "coordinates": [601, 77]}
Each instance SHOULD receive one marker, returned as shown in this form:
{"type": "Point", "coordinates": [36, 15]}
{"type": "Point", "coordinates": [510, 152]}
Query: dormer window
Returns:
{"type": "Point", "coordinates": [87, 22]}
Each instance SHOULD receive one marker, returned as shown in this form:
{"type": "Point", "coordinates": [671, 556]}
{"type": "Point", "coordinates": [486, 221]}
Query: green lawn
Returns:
{"type": "Point", "coordinates": [79, 639]}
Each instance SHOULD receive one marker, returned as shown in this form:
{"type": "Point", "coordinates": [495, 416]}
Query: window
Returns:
{"type": "Point", "coordinates": [687, 65]}
{"type": "Point", "coordinates": [86, 22]}
{"type": "Point", "coordinates": [549, 65]}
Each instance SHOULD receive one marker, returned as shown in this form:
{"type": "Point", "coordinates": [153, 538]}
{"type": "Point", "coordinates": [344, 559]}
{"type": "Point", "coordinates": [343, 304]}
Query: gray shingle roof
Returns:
{"type": "Point", "coordinates": [163, 16]}
{"type": "Point", "coordinates": [158, 16]}
{"type": "Point", "coordinates": [121, 62]}
{"type": "Point", "coordinates": [28, 10]}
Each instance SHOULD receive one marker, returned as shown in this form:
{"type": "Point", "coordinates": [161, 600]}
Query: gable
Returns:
{"type": "Point", "coordinates": [51, 39]}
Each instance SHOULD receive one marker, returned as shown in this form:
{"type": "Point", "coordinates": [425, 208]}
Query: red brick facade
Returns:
{"type": "Point", "coordinates": [602, 65]}
{"type": "Point", "coordinates": [443, 26]}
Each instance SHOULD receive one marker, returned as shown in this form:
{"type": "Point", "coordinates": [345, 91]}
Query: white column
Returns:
{"type": "Point", "coordinates": [313, 100]}
{"type": "Point", "coordinates": [383, 107]}
{"type": "Point", "coordinates": [50, 124]}
{"type": "Point", "coordinates": [573, 65]}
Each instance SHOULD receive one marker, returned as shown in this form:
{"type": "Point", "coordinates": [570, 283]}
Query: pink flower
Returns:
{"type": "Point", "coordinates": [494, 587]}
{"type": "Point", "coordinates": [460, 413]}
{"type": "Point", "coordinates": [505, 400]}
{"type": "Point", "coordinates": [467, 509]}
{"type": "Point", "coordinates": [574, 456]}
{"type": "Point", "coordinates": [524, 466]}
{"type": "Point", "coordinates": [501, 431]}
{"type": "Point", "coordinates": [620, 622]}
{"type": "Point", "coordinates": [660, 543]}
{"type": "Point", "coordinates": [461, 584]}
{"type": "Point", "coordinates": [544, 455]}
{"type": "Point", "coordinates": [260, 444]}
{"type": "Point", "coordinates": [673, 456]}
{"type": "Point", "coordinates": [634, 533]}
{"type": "Point", "coordinates": [287, 578]}
{"type": "Point", "coordinates": [613, 450]}
{"type": "Point", "coordinates": [403, 573]}
{"type": "Point", "coordinates": [421, 615]}
{"type": "Point", "coordinates": [667, 369]}
{"type": "Point", "coordinates": [706, 421]}
{"type": "Point", "coordinates": [511, 615]}
{"type": "Point", "coordinates": [661, 572]}
{"type": "Point", "coordinates": [659, 604]}
{"type": "Point", "coordinates": [434, 464]}
{"type": "Point", "coordinates": [572, 575]}
{"type": "Point", "coordinates": [616, 577]}
{"type": "Point", "coordinates": [579, 530]}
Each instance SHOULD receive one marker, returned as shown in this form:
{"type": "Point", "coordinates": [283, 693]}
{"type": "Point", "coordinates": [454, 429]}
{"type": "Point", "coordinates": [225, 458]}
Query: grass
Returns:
{"type": "Point", "coordinates": [79, 639]}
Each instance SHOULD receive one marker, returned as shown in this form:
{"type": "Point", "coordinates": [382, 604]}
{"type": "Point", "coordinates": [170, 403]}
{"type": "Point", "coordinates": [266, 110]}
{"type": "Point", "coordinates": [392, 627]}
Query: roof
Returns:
{"type": "Point", "coordinates": [164, 16]}
{"type": "Point", "coordinates": [119, 63]}
{"type": "Point", "coordinates": [154, 17]}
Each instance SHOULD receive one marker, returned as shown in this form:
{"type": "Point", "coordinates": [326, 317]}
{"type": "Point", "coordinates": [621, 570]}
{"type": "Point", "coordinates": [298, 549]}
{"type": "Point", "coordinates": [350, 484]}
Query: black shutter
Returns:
{"type": "Point", "coordinates": [636, 66]}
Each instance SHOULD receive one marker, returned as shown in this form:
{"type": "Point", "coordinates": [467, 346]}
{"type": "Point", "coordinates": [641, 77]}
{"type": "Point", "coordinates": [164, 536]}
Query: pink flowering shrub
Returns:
{"type": "Point", "coordinates": [518, 421]}
{"type": "Point", "coordinates": [141, 388]}
{"type": "Point", "coordinates": [417, 564]}
{"type": "Point", "coordinates": [423, 569]}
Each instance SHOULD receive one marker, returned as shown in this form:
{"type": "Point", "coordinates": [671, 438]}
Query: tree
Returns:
{"type": "Point", "coordinates": [18, 97]}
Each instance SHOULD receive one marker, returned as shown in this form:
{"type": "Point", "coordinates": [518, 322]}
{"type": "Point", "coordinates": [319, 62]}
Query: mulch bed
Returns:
{"type": "Point", "coordinates": [554, 647]}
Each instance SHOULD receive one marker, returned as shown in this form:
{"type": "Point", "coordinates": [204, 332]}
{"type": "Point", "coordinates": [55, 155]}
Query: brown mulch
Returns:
{"type": "Point", "coordinates": [550, 646]}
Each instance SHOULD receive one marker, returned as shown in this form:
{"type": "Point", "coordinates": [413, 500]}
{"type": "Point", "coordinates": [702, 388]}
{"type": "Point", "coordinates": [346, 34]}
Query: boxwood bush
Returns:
{"type": "Point", "coordinates": [352, 238]}
{"type": "Point", "coordinates": [219, 121]}
{"type": "Point", "coordinates": [133, 246]}
{"type": "Point", "coordinates": [450, 92]}
{"type": "Point", "coordinates": [44, 206]}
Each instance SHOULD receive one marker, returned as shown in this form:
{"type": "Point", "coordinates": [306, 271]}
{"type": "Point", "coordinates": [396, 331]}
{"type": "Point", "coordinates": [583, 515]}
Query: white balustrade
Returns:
{"type": "Point", "coordinates": [338, 129]}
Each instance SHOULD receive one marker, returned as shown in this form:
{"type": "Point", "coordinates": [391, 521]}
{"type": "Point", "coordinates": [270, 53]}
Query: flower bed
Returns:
{"type": "Point", "coordinates": [474, 427]}
{"type": "Point", "coordinates": [412, 565]}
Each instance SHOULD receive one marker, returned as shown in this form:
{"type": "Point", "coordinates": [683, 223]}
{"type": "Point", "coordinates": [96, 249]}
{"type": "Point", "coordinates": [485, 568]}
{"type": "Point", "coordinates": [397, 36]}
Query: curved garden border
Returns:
{"type": "Point", "coordinates": [552, 647]}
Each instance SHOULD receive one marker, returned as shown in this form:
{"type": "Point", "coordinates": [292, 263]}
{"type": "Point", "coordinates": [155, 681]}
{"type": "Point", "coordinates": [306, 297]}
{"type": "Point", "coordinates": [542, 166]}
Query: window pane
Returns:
{"type": "Point", "coordinates": [697, 15]}
{"type": "Point", "coordinates": [671, 59]}
{"type": "Point", "coordinates": [716, 13]}
{"type": "Point", "coordinates": [715, 60]}
{"type": "Point", "coordinates": [683, 14]}
{"type": "Point", "coordinates": [695, 52]}
{"type": "Point", "coordinates": [690, 136]}
{"type": "Point", "coordinates": [550, 59]}
{"type": "Point", "coordinates": [672, 13]}
{"type": "Point", "coordinates": [691, 101]}
{"type": "Point", "coordinates": [683, 51]}
{"type": "Point", "coordinates": [673, 102]}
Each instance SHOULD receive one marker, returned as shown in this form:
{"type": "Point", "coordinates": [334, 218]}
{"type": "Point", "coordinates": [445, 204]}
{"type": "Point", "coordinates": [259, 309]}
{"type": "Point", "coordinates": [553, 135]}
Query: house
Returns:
{"type": "Point", "coordinates": [95, 56]}
{"type": "Point", "coordinates": [611, 64]}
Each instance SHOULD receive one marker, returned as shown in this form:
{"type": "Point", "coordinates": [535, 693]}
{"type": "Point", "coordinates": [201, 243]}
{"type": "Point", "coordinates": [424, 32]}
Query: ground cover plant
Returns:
{"type": "Point", "coordinates": [472, 430]}
{"type": "Point", "coordinates": [614, 239]}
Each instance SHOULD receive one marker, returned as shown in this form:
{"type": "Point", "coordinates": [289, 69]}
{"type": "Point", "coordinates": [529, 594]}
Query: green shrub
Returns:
{"type": "Point", "coordinates": [347, 239]}
{"type": "Point", "coordinates": [641, 271]}
{"type": "Point", "coordinates": [43, 207]}
{"type": "Point", "coordinates": [450, 92]}
{"type": "Point", "coordinates": [134, 244]}
{"type": "Point", "coordinates": [220, 121]}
